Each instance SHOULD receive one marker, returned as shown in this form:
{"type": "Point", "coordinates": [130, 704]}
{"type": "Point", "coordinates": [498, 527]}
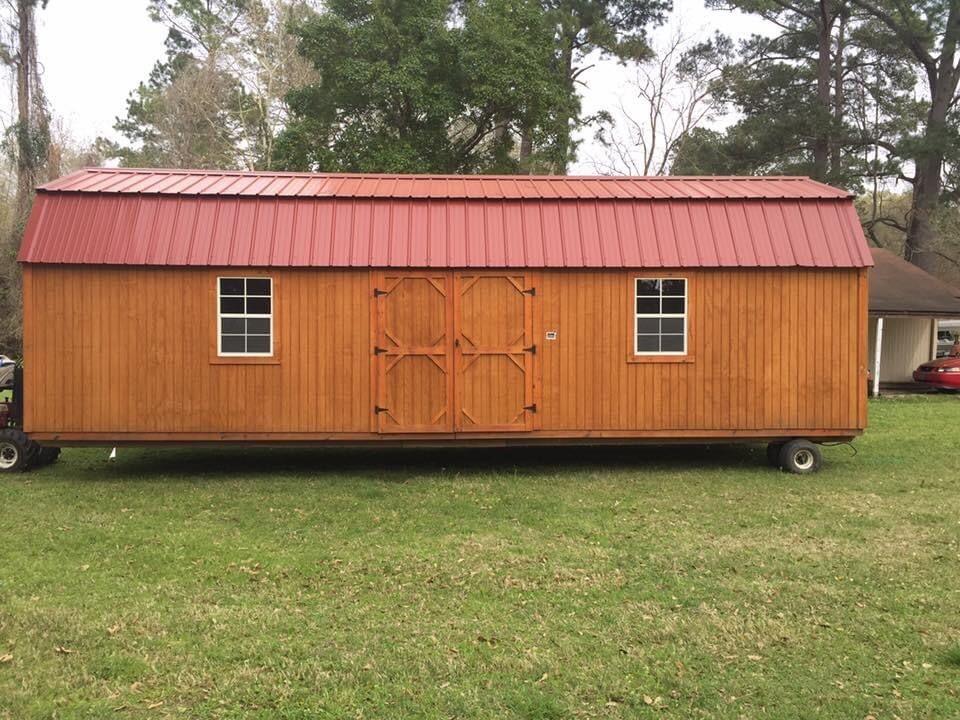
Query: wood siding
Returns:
{"type": "Point", "coordinates": [130, 353]}
{"type": "Point", "coordinates": [768, 349]}
{"type": "Point", "coordinates": [134, 351]}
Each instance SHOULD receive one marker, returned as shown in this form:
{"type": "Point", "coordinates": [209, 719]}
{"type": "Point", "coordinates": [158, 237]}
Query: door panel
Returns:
{"type": "Point", "coordinates": [413, 346]}
{"type": "Point", "coordinates": [494, 352]}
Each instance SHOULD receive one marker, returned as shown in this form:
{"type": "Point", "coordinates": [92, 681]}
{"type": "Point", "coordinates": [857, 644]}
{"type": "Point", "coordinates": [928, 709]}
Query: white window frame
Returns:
{"type": "Point", "coordinates": [637, 316]}
{"type": "Point", "coordinates": [244, 315]}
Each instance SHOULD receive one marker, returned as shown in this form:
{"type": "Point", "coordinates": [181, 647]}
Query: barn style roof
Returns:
{"type": "Point", "coordinates": [104, 216]}
{"type": "Point", "coordinates": [898, 287]}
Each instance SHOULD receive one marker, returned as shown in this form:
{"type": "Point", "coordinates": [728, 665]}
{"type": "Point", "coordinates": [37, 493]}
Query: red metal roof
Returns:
{"type": "Point", "coordinates": [201, 218]}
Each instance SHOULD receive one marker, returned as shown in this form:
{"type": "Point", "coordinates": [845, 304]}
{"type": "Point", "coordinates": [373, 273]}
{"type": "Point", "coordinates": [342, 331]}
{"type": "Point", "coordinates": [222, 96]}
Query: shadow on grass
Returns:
{"type": "Point", "coordinates": [400, 465]}
{"type": "Point", "coordinates": [952, 657]}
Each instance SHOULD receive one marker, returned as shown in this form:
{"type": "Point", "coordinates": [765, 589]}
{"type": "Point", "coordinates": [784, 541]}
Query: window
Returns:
{"type": "Point", "coordinates": [245, 316]}
{"type": "Point", "coordinates": [660, 327]}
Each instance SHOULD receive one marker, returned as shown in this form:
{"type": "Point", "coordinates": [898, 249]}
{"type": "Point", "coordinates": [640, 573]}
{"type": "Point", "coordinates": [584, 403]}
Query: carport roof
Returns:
{"type": "Point", "coordinates": [898, 287]}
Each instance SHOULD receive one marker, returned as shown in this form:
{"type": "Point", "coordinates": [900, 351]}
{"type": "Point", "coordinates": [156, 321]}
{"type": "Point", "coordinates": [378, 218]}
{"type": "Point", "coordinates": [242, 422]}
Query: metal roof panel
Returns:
{"type": "Point", "coordinates": [195, 218]}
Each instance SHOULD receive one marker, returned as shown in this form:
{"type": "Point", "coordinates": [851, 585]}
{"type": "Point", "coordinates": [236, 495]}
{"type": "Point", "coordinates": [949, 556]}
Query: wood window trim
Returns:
{"type": "Point", "coordinates": [215, 357]}
{"type": "Point", "coordinates": [691, 309]}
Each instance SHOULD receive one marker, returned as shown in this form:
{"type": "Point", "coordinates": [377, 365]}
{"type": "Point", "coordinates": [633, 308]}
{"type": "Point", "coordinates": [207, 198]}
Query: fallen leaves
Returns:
{"type": "Point", "coordinates": [6, 658]}
{"type": "Point", "coordinates": [61, 650]}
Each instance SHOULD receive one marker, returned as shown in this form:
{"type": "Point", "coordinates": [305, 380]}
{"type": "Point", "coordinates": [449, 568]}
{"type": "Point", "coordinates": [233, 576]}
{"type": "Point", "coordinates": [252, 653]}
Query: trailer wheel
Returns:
{"type": "Point", "coordinates": [773, 453]}
{"type": "Point", "coordinates": [48, 455]}
{"type": "Point", "coordinates": [800, 457]}
{"type": "Point", "coordinates": [15, 451]}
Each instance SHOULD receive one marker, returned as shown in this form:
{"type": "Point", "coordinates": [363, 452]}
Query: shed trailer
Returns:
{"type": "Point", "coordinates": [181, 306]}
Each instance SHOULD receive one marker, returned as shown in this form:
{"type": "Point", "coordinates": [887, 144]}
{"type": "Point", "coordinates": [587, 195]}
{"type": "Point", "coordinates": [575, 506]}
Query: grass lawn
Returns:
{"type": "Point", "coordinates": [614, 583]}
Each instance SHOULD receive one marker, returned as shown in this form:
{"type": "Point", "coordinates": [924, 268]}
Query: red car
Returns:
{"type": "Point", "coordinates": [943, 373]}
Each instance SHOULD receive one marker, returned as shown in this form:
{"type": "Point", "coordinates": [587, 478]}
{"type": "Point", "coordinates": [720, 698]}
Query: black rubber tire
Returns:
{"type": "Point", "coordinates": [800, 457]}
{"type": "Point", "coordinates": [773, 454]}
{"type": "Point", "coordinates": [16, 450]}
{"type": "Point", "coordinates": [48, 455]}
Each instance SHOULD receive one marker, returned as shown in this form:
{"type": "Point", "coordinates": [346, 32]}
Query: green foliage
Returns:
{"type": "Point", "coordinates": [11, 296]}
{"type": "Point", "coordinates": [772, 84]}
{"type": "Point", "coordinates": [608, 583]}
{"type": "Point", "coordinates": [215, 100]}
{"type": "Point", "coordinates": [422, 86]}
{"type": "Point", "coordinates": [612, 27]}
{"type": "Point", "coordinates": [190, 112]}
{"type": "Point", "coordinates": [615, 28]}
{"type": "Point", "coordinates": [180, 118]}
{"type": "Point", "coordinates": [884, 108]}
{"type": "Point", "coordinates": [402, 85]}
{"type": "Point", "coordinates": [28, 143]}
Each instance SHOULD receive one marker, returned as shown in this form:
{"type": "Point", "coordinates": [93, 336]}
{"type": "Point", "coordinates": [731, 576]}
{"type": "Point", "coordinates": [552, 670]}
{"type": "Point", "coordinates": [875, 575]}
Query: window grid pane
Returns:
{"type": "Point", "coordinates": [660, 316]}
{"type": "Point", "coordinates": [246, 316]}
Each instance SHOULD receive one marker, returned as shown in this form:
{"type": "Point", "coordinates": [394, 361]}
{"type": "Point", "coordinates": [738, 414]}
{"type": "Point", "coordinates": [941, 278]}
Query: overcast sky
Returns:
{"type": "Point", "coordinates": [94, 52]}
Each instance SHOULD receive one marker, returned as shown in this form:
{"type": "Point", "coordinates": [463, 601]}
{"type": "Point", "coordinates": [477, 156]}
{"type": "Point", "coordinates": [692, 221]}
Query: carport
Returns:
{"type": "Point", "coordinates": [906, 304]}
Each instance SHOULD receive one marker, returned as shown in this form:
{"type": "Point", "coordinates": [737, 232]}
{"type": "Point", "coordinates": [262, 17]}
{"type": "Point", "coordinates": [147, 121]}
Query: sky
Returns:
{"type": "Point", "coordinates": [94, 52]}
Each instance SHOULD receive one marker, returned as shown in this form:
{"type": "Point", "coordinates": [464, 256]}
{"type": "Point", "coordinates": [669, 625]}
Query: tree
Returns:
{"type": "Point", "coordinates": [806, 95]}
{"type": "Point", "coordinates": [669, 99]}
{"type": "Point", "coordinates": [216, 100]}
{"type": "Point", "coordinates": [583, 28]}
{"type": "Point", "coordinates": [820, 97]}
{"type": "Point", "coordinates": [426, 86]}
{"type": "Point", "coordinates": [871, 103]}
{"type": "Point", "coordinates": [927, 33]}
{"type": "Point", "coordinates": [28, 139]}
{"type": "Point", "coordinates": [27, 145]}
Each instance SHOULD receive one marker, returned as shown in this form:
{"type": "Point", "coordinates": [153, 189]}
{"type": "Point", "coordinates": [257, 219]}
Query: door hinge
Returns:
{"type": "Point", "coordinates": [377, 292]}
{"type": "Point", "coordinates": [377, 409]}
{"type": "Point", "coordinates": [379, 350]}
{"type": "Point", "coordinates": [532, 349]}
{"type": "Point", "coordinates": [529, 291]}
{"type": "Point", "coordinates": [531, 408]}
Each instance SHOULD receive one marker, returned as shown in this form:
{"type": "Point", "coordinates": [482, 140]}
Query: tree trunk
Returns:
{"type": "Point", "coordinates": [821, 140]}
{"type": "Point", "coordinates": [920, 246]}
{"type": "Point", "coordinates": [526, 150]}
{"type": "Point", "coordinates": [25, 174]}
{"type": "Point", "coordinates": [569, 73]}
{"type": "Point", "coordinates": [836, 157]}
{"type": "Point", "coordinates": [942, 77]}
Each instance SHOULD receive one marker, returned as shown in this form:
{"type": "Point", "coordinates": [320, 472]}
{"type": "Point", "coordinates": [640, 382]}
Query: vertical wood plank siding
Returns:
{"type": "Point", "coordinates": [133, 350]}
{"type": "Point", "coordinates": [770, 349]}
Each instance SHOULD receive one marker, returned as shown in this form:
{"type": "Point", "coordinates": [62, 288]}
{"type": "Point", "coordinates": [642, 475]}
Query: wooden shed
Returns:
{"type": "Point", "coordinates": [197, 306]}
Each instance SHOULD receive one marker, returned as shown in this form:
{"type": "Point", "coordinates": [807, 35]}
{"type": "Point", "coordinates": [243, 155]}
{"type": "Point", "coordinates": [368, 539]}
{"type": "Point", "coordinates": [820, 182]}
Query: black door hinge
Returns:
{"type": "Point", "coordinates": [377, 409]}
{"type": "Point", "coordinates": [529, 291]}
{"type": "Point", "coordinates": [532, 349]}
{"type": "Point", "coordinates": [379, 350]}
{"type": "Point", "coordinates": [531, 408]}
{"type": "Point", "coordinates": [377, 292]}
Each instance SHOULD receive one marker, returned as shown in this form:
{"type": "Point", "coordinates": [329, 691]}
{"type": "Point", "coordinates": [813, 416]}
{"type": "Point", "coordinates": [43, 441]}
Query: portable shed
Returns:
{"type": "Point", "coordinates": [191, 306]}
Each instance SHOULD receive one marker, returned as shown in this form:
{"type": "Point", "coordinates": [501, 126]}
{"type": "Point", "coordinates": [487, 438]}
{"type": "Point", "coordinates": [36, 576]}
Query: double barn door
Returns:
{"type": "Point", "coordinates": [454, 352]}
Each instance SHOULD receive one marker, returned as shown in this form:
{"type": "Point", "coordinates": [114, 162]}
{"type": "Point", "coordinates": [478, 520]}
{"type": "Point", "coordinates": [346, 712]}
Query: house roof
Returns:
{"type": "Point", "coordinates": [210, 218]}
{"type": "Point", "coordinates": [898, 287]}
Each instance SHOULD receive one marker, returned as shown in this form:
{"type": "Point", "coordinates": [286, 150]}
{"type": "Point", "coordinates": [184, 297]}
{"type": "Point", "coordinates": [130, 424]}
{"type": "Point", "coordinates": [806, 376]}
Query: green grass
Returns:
{"type": "Point", "coordinates": [615, 583]}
